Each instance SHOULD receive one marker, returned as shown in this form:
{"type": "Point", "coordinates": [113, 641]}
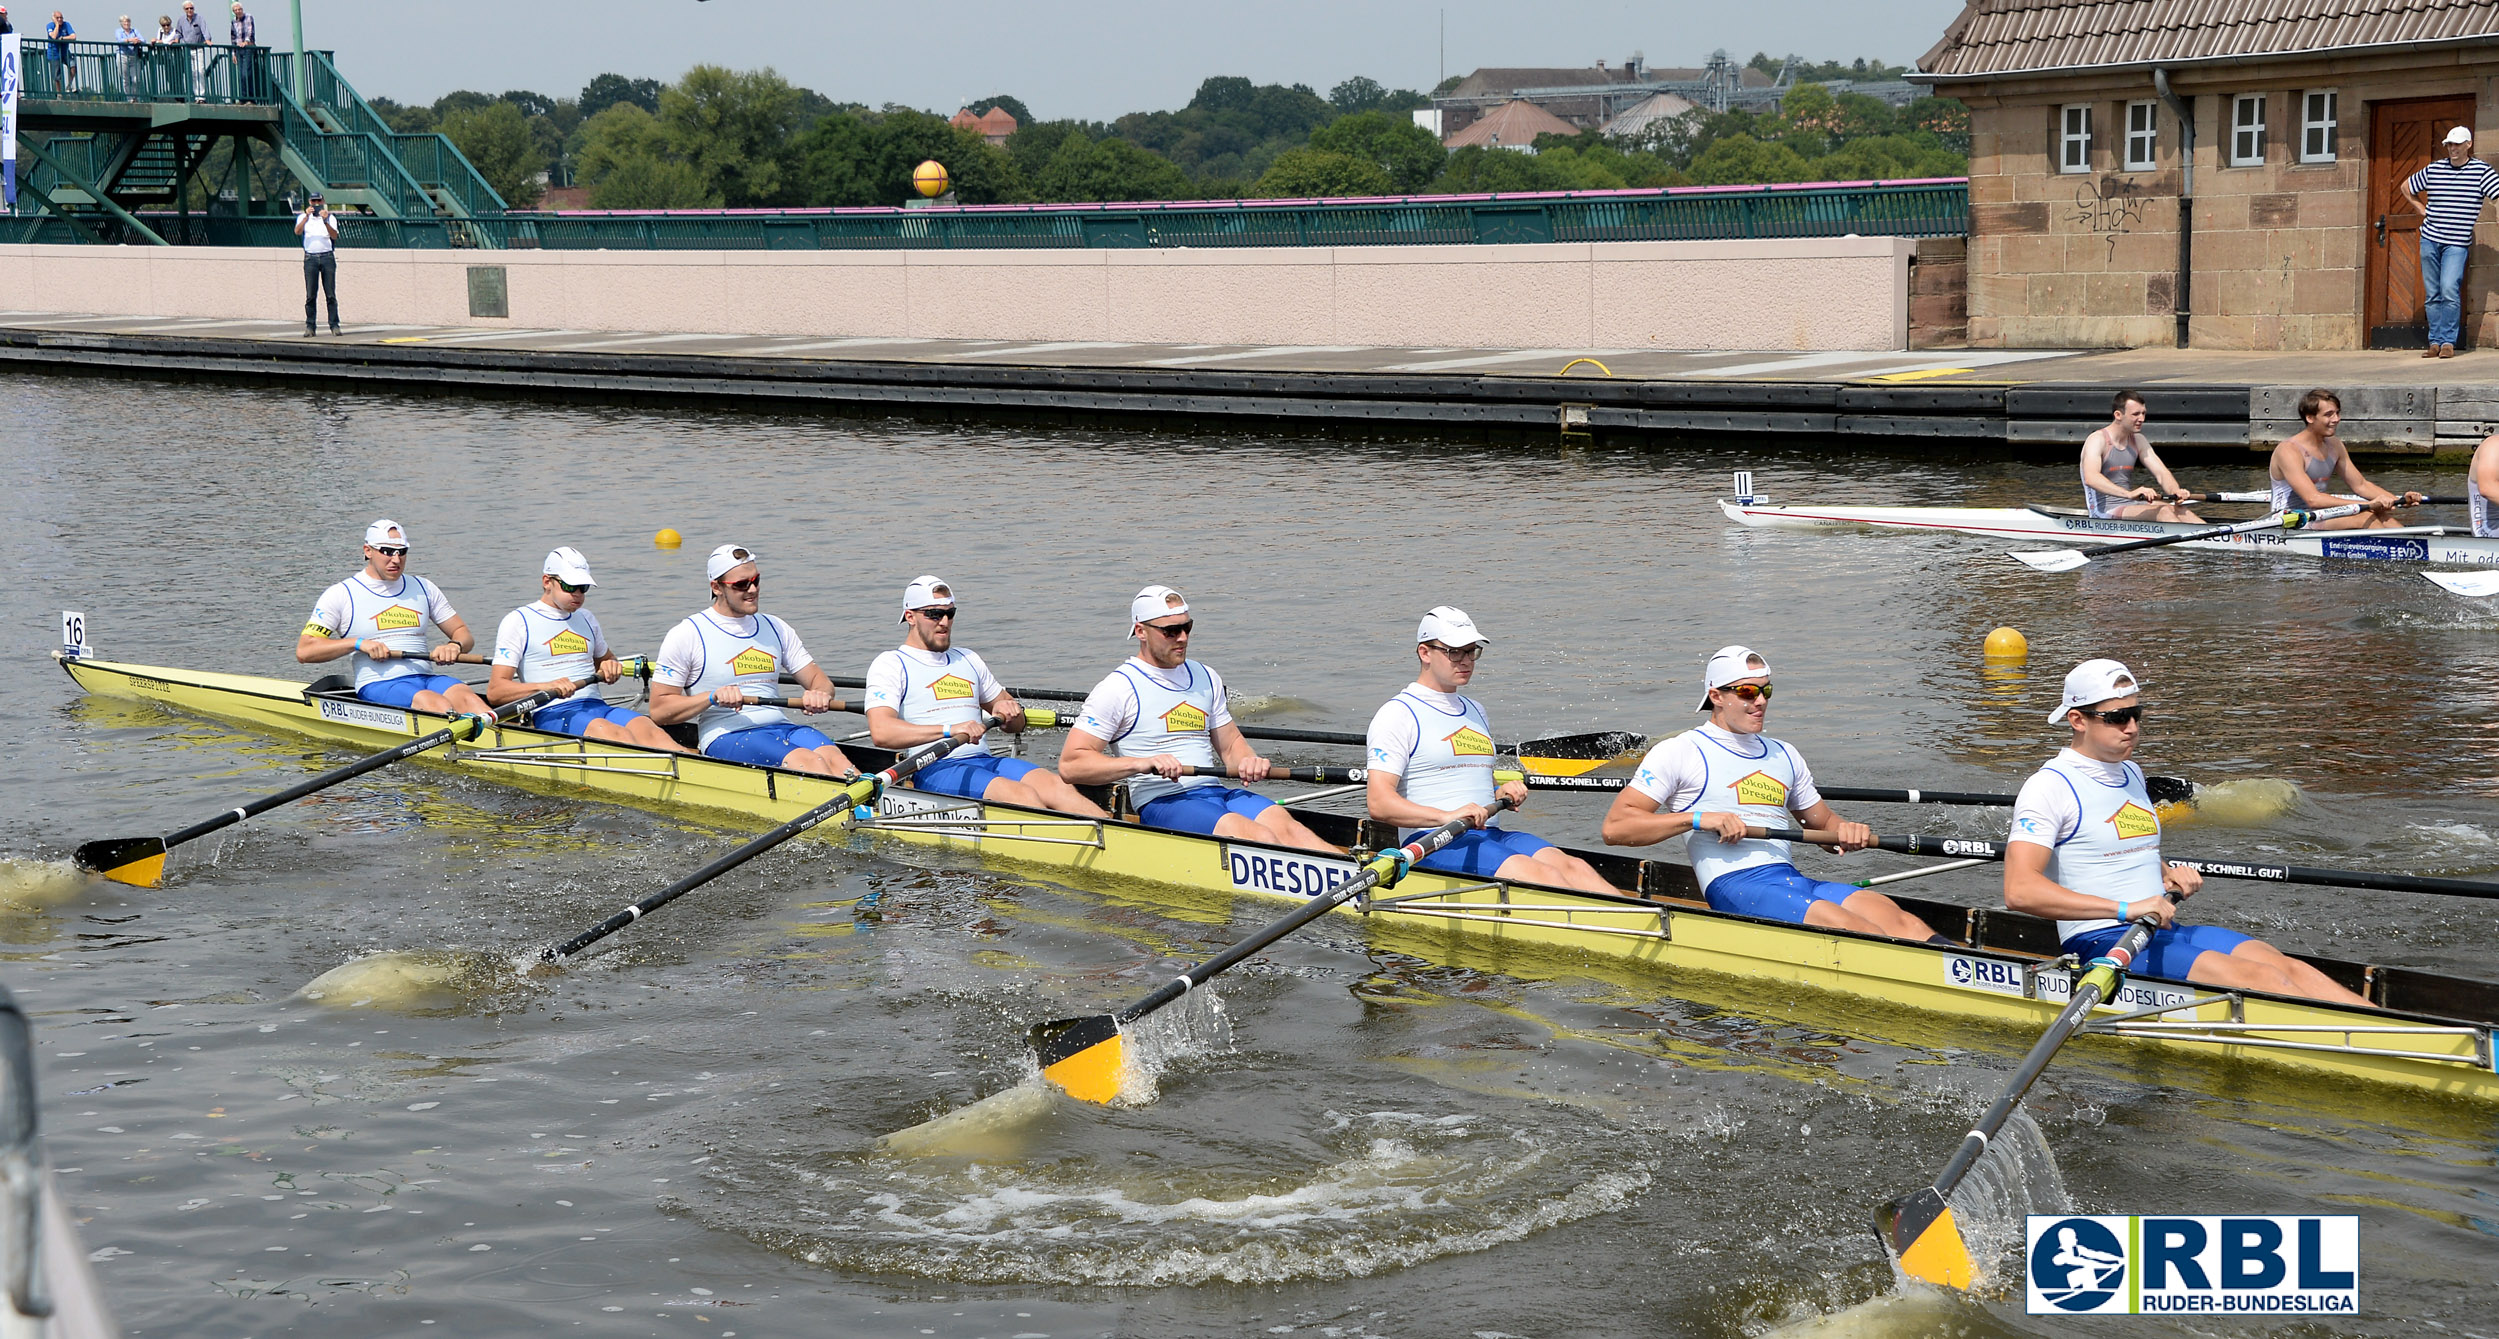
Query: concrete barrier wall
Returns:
{"type": "Point", "coordinates": [1835, 293]}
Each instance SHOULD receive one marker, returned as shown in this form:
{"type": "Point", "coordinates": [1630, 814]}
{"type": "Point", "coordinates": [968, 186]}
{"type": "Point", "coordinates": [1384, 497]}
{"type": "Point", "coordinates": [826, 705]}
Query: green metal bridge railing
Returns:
{"type": "Point", "coordinates": [85, 71]}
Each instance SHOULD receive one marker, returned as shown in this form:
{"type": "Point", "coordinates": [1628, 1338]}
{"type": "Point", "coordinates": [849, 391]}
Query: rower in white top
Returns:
{"type": "Point", "coordinates": [928, 688]}
{"type": "Point", "coordinates": [1708, 784]}
{"type": "Point", "coordinates": [1432, 760]}
{"type": "Point", "coordinates": [2086, 849]}
{"type": "Point", "coordinates": [2481, 487]}
{"type": "Point", "coordinates": [378, 617]}
{"type": "Point", "coordinates": [1162, 713]}
{"type": "Point", "coordinates": [2110, 457]}
{"type": "Point", "coordinates": [555, 643]}
{"type": "Point", "coordinates": [2309, 457]}
{"type": "Point", "coordinates": [709, 663]}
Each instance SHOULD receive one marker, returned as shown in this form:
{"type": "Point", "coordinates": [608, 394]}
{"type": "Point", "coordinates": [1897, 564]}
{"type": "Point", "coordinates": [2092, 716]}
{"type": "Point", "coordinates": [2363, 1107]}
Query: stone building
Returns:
{"type": "Point", "coordinates": [2303, 119]}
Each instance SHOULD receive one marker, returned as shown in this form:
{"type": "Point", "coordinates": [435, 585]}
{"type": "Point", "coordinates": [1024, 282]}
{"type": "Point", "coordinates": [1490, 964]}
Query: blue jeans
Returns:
{"type": "Point", "coordinates": [2442, 287]}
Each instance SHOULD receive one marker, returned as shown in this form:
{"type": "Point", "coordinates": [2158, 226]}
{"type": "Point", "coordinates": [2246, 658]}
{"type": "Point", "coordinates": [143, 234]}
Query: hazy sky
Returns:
{"type": "Point", "coordinates": [1093, 60]}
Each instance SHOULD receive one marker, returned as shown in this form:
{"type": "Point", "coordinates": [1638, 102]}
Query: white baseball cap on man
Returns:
{"type": "Point", "coordinates": [2460, 135]}
{"type": "Point", "coordinates": [1449, 626]}
{"type": "Point", "coordinates": [567, 565]}
{"type": "Point", "coordinates": [1156, 602]}
{"type": "Point", "coordinates": [923, 592]}
{"type": "Point", "coordinates": [2095, 681]}
{"type": "Point", "coordinates": [727, 558]}
{"type": "Point", "coordinates": [1728, 665]}
{"type": "Point", "coordinates": [386, 533]}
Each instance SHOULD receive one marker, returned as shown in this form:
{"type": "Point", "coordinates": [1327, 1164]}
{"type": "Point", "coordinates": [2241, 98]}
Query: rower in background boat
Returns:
{"type": "Point", "coordinates": [2309, 457]}
{"type": "Point", "coordinates": [1709, 783]}
{"type": "Point", "coordinates": [378, 618]}
{"type": "Point", "coordinates": [1162, 712]}
{"type": "Point", "coordinates": [2481, 487]}
{"type": "Point", "coordinates": [1432, 761]}
{"type": "Point", "coordinates": [928, 688]}
{"type": "Point", "coordinates": [2085, 850]}
{"type": "Point", "coordinates": [555, 644]}
{"type": "Point", "coordinates": [708, 663]}
{"type": "Point", "coordinates": [2110, 457]}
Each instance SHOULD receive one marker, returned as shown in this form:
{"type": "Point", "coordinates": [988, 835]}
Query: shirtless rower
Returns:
{"type": "Point", "coordinates": [378, 617]}
{"type": "Point", "coordinates": [2086, 849]}
{"type": "Point", "coordinates": [2309, 457]}
{"type": "Point", "coordinates": [2481, 487]}
{"type": "Point", "coordinates": [929, 688]}
{"type": "Point", "coordinates": [711, 661]}
{"type": "Point", "coordinates": [1710, 783]}
{"type": "Point", "coordinates": [1432, 761]}
{"type": "Point", "coordinates": [555, 644]}
{"type": "Point", "coordinates": [2110, 458]}
{"type": "Point", "coordinates": [1161, 712]}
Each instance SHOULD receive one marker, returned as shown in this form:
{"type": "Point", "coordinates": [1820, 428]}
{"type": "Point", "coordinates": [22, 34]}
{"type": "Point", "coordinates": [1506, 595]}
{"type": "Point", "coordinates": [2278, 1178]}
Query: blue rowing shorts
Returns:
{"type": "Point", "coordinates": [970, 775]}
{"type": "Point", "coordinates": [1199, 808]}
{"type": "Point", "coordinates": [1773, 892]}
{"type": "Point", "coordinates": [765, 745]}
{"type": "Point", "coordinates": [2170, 955]}
{"type": "Point", "coordinates": [573, 715]}
{"type": "Point", "coordinates": [402, 690]}
{"type": "Point", "coordinates": [1482, 852]}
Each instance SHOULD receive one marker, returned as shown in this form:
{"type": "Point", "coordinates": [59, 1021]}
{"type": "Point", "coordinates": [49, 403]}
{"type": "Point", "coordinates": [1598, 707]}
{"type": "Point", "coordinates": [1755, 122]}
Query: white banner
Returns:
{"type": "Point", "coordinates": [8, 120]}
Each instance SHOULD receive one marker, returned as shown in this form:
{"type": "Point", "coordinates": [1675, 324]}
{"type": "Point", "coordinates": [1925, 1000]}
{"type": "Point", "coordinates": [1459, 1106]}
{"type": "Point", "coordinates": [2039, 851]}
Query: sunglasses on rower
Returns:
{"type": "Point", "coordinates": [2121, 717]}
{"type": "Point", "coordinates": [391, 551]}
{"type": "Point", "coordinates": [935, 612]}
{"type": "Point", "coordinates": [569, 588]}
{"type": "Point", "coordinates": [1179, 629]}
{"type": "Point", "coordinates": [743, 587]}
{"type": "Point", "coordinates": [1748, 692]}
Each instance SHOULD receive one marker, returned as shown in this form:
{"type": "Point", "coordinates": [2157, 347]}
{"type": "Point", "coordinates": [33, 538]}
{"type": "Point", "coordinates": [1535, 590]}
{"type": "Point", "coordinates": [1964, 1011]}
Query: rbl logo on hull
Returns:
{"type": "Point", "coordinates": [2240, 1264]}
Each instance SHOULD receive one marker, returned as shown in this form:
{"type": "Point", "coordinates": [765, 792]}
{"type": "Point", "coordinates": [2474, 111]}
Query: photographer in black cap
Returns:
{"type": "Point", "coordinates": [319, 229]}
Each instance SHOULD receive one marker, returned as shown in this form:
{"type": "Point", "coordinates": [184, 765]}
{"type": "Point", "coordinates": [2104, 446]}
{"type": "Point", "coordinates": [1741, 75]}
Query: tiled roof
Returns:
{"type": "Point", "coordinates": [1513, 125]}
{"type": "Point", "coordinates": [1993, 37]}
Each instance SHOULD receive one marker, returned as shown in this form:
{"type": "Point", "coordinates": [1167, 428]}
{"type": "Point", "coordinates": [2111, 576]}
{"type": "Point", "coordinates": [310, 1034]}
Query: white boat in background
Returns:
{"type": "Point", "coordinates": [2071, 525]}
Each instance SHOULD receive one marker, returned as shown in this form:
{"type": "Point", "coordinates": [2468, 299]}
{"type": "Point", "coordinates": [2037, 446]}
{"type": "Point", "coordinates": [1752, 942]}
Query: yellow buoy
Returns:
{"type": "Point", "coordinates": [930, 178]}
{"type": "Point", "coordinates": [668, 539]}
{"type": "Point", "coordinates": [2007, 644]}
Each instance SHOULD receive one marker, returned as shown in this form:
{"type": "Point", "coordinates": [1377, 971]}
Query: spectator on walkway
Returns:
{"type": "Point", "coordinates": [130, 57]}
{"type": "Point", "coordinates": [64, 69]}
{"type": "Point", "coordinates": [2455, 186]}
{"type": "Point", "coordinates": [189, 31]}
{"type": "Point", "coordinates": [240, 34]}
{"type": "Point", "coordinates": [319, 229]}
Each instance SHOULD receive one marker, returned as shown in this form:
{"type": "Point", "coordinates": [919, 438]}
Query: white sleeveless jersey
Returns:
{"type": "Point", "coordinates": [2118, 463]}
{"type": "Point", "coordinates": [2114, 850]}
{"type": "Point", "coordinates": [948, 693]}
{"type": "Point", "coordinates": [754, 660]}
{"type": "Point", "coordinates": [2318, 472]}
{"type": "Point", "coordinates": [2485, 510]}
{"type": "Point", "coordinates": [1762, 787]}
{"type": "Point", "coordinates": [396, 617]}
{"type": "Point", "coordinates": [1445, 760]}
{"type": "Point", "coordinates": [1178, 720]}
{"type": "Point", "coordinates": [542, 646]}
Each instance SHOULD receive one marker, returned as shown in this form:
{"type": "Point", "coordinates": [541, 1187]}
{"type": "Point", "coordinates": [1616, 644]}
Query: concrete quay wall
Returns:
{"type": "Point", "coordinates": [1846, 293]}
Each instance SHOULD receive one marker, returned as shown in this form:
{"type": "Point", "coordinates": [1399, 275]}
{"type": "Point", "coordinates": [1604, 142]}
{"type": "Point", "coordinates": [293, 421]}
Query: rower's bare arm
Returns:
{"type": "Point", "coordinates": [1853, 836]}
{"type": "Point", "coordinates": [2029, 890]}
{"type": "Point", "coordinates": [503, 684]}
{"type": "Point", "coordinates": [1237, 753]}
{"type": "Point", "coordinates": [610, 668]}
{"type": "Point", "coordinates": [817, 690]}
{"type": "Point", "coordinates": [1010, 713]}
{"type": "Point", "coordinates": [2095, 476]}
{"type": "Point", "coordinates": [671, 705]}
{"type": "Point", "coordinates": [1635, 820]}
{"type": "Point", "coordinates": [313, 649]}
{"type": "Point", "coordinates": [2360, 485]}
{"type": "Point", "coordinates": [1085, 761]}
{"type": "Point", "coordinates": [2160, 470]}
{"type": "Point", "coordinates": [2486, 470]}
{"type": "Point", "coordinates": [888, 730]}
{"type": "Point", "coordinates": [460, 643]}
{"type": "Point", "coordinates": [1380, 797]}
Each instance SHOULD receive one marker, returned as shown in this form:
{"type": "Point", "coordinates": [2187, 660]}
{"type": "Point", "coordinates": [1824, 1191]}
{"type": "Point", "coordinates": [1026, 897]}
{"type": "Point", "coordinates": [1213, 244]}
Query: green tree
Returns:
{"type": "Point", "coordinates": [1015, 107]}
{"type": "Point", "coordinates": [622, 155]}
{"type": "Point", "coordinates": [606, 90]}
{"type": "Point", "coordinates": [1477, 168]}
{"type": "Point", "coordinates": [403, 119]}
{"type": "Point", "coordinates": [498, 140]}
{"type": "Point", "coordinates": [733, 127]}
{"type": "Point", "coordinates": [855, 159]}
{"type": "Point", "coordinates": [1740, 159]}
{"type": "Point", "coordinates": [460, 100]}
{"type": "Point", "coordinates": [1110, 169]}
{"type": "Point", "coordinates": [1035, 143]}
{"type": "Point", "coordinates": [1395, 144]}
{"type": "Point", "coordinates": [1308, 172]}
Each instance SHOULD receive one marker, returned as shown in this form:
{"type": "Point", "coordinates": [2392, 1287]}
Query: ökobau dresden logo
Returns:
{"type": "Point", "coordinates": [2242, 1264]}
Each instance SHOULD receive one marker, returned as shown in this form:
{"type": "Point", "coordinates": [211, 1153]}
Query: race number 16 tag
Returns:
{"type": "Point", "coordinates": [73, 632]}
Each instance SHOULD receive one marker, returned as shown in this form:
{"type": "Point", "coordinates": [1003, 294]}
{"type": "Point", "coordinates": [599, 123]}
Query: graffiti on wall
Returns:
{"type": "Point", "coordinates": [2110, 207]}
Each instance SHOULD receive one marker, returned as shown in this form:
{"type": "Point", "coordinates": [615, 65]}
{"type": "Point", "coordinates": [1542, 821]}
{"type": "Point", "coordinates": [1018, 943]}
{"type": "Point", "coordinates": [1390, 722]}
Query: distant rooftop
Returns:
{"type": "Point", "coordinates": [2001, 37]}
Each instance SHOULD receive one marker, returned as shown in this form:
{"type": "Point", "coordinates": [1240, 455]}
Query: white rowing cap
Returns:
{"type": "Point", "coordinates": [2095, 681]}
{"type": "Point", "coordinates": [386, 533]}
{"type": "Point", "coordinates": [727, 558]}
{"type": "Point", "coordinates": [1156, 602]}
{"type": "Point", "coordinates": [2459, 135]}
{"type": "Point", "coordinates": [1728, 665]}
{"type": "Point", "coordinates": [567, 565]}
{"type": "Point", "coordinates": [925, 591]}
{"type": "Point", "coordinates": [1448, 625]}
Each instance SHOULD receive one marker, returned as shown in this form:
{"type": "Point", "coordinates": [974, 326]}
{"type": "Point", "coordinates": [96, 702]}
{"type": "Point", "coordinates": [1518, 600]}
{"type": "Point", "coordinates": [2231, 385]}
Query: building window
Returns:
{"type": "Point", "coordinates": [2318, 115]}
{"type": "Point", "coordinates": [2247, 130]}
{"type": "Point", "coordinates": [2074, 139]}
{"type": "Point", "coordinates": [2142, 138]}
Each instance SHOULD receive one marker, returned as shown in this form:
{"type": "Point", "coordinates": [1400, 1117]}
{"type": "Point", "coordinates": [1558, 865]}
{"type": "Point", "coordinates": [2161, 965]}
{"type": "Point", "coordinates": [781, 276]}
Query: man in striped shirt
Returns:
{"type": "Point", "coordinates": [2455, 186]}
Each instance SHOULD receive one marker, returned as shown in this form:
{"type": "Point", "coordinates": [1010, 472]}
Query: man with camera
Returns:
{"type": "Point", "coordinates": [319, 229]}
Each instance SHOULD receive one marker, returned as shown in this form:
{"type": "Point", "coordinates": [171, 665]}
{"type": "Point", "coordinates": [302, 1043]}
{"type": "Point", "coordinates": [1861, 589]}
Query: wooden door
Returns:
{"type": "Point", "coordinates": [2403, 138]}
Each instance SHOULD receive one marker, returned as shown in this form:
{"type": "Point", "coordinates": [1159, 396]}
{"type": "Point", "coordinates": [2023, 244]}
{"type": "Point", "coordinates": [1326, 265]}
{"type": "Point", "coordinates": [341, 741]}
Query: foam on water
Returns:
{"type": "Point", "coordinates": [41, 883]}
{"type": "Point", "coordinates": [2016, 1177]}
{"type": "Point", "coordinates": [2249, 802]}
{"type": "Point", "coordinates": [413, 981]}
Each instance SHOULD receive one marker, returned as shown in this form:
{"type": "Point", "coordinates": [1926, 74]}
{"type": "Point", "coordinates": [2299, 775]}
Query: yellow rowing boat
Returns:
{"type": "Point", "coordinates": [2434, 1034]}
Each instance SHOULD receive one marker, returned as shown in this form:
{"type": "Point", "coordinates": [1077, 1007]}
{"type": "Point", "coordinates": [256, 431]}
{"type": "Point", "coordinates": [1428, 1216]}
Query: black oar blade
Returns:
{"type": "Point", "coordinates": [1920, 1232]}
{"type": "Point", "coordinates": [2169, 789]}
{"type": "Point", "coordinates": [1084, 1056]}
{"type": "Point", "coordinates": [137, 861]}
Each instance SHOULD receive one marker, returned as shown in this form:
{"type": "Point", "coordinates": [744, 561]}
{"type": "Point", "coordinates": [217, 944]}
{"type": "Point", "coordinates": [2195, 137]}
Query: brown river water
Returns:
{"type": "Point", "coordinates": [676, 1137]}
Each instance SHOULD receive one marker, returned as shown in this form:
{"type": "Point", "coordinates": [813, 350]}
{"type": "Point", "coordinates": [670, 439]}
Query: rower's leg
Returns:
{"type": "Point", "coordinates": [811, 760]}
{"type": "Point", "coordinates": [1274, 824]}
{"type": "Point", "coordinates": [1555, 868]}
{"type": "Point", "coordinates": [1833, 916]}
{"type": "Point", "coordinates": [465, 698]}
{"type": "Point", "coordinates": [1889, 917]}
{"type": "Point", "coordinates": [1056, 794]}
{"type": "Point", "coordinates": [647, 733]}
{"type": "Point", "coordinates": [605, 732]}
{"type": "Point", "coordinates": [835, 761]}
{"type": "Point", "coordinates": [1016, 793]}
{"type": "Point", "coordinates": [2257, 965]}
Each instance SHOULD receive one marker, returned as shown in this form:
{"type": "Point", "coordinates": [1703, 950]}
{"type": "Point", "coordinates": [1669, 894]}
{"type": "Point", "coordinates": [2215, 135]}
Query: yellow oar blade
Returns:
{"type": "Point", "coordinates": [1086, 1057]}
{"type": "Point", "coordinates": [144, 873]}
{"type": "Point", "coordinates": [1561, 766]}
{"type": "Point", "coordinates": [137, 861]}
{"type": "Point", "coordinates": [1926, 1240]}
